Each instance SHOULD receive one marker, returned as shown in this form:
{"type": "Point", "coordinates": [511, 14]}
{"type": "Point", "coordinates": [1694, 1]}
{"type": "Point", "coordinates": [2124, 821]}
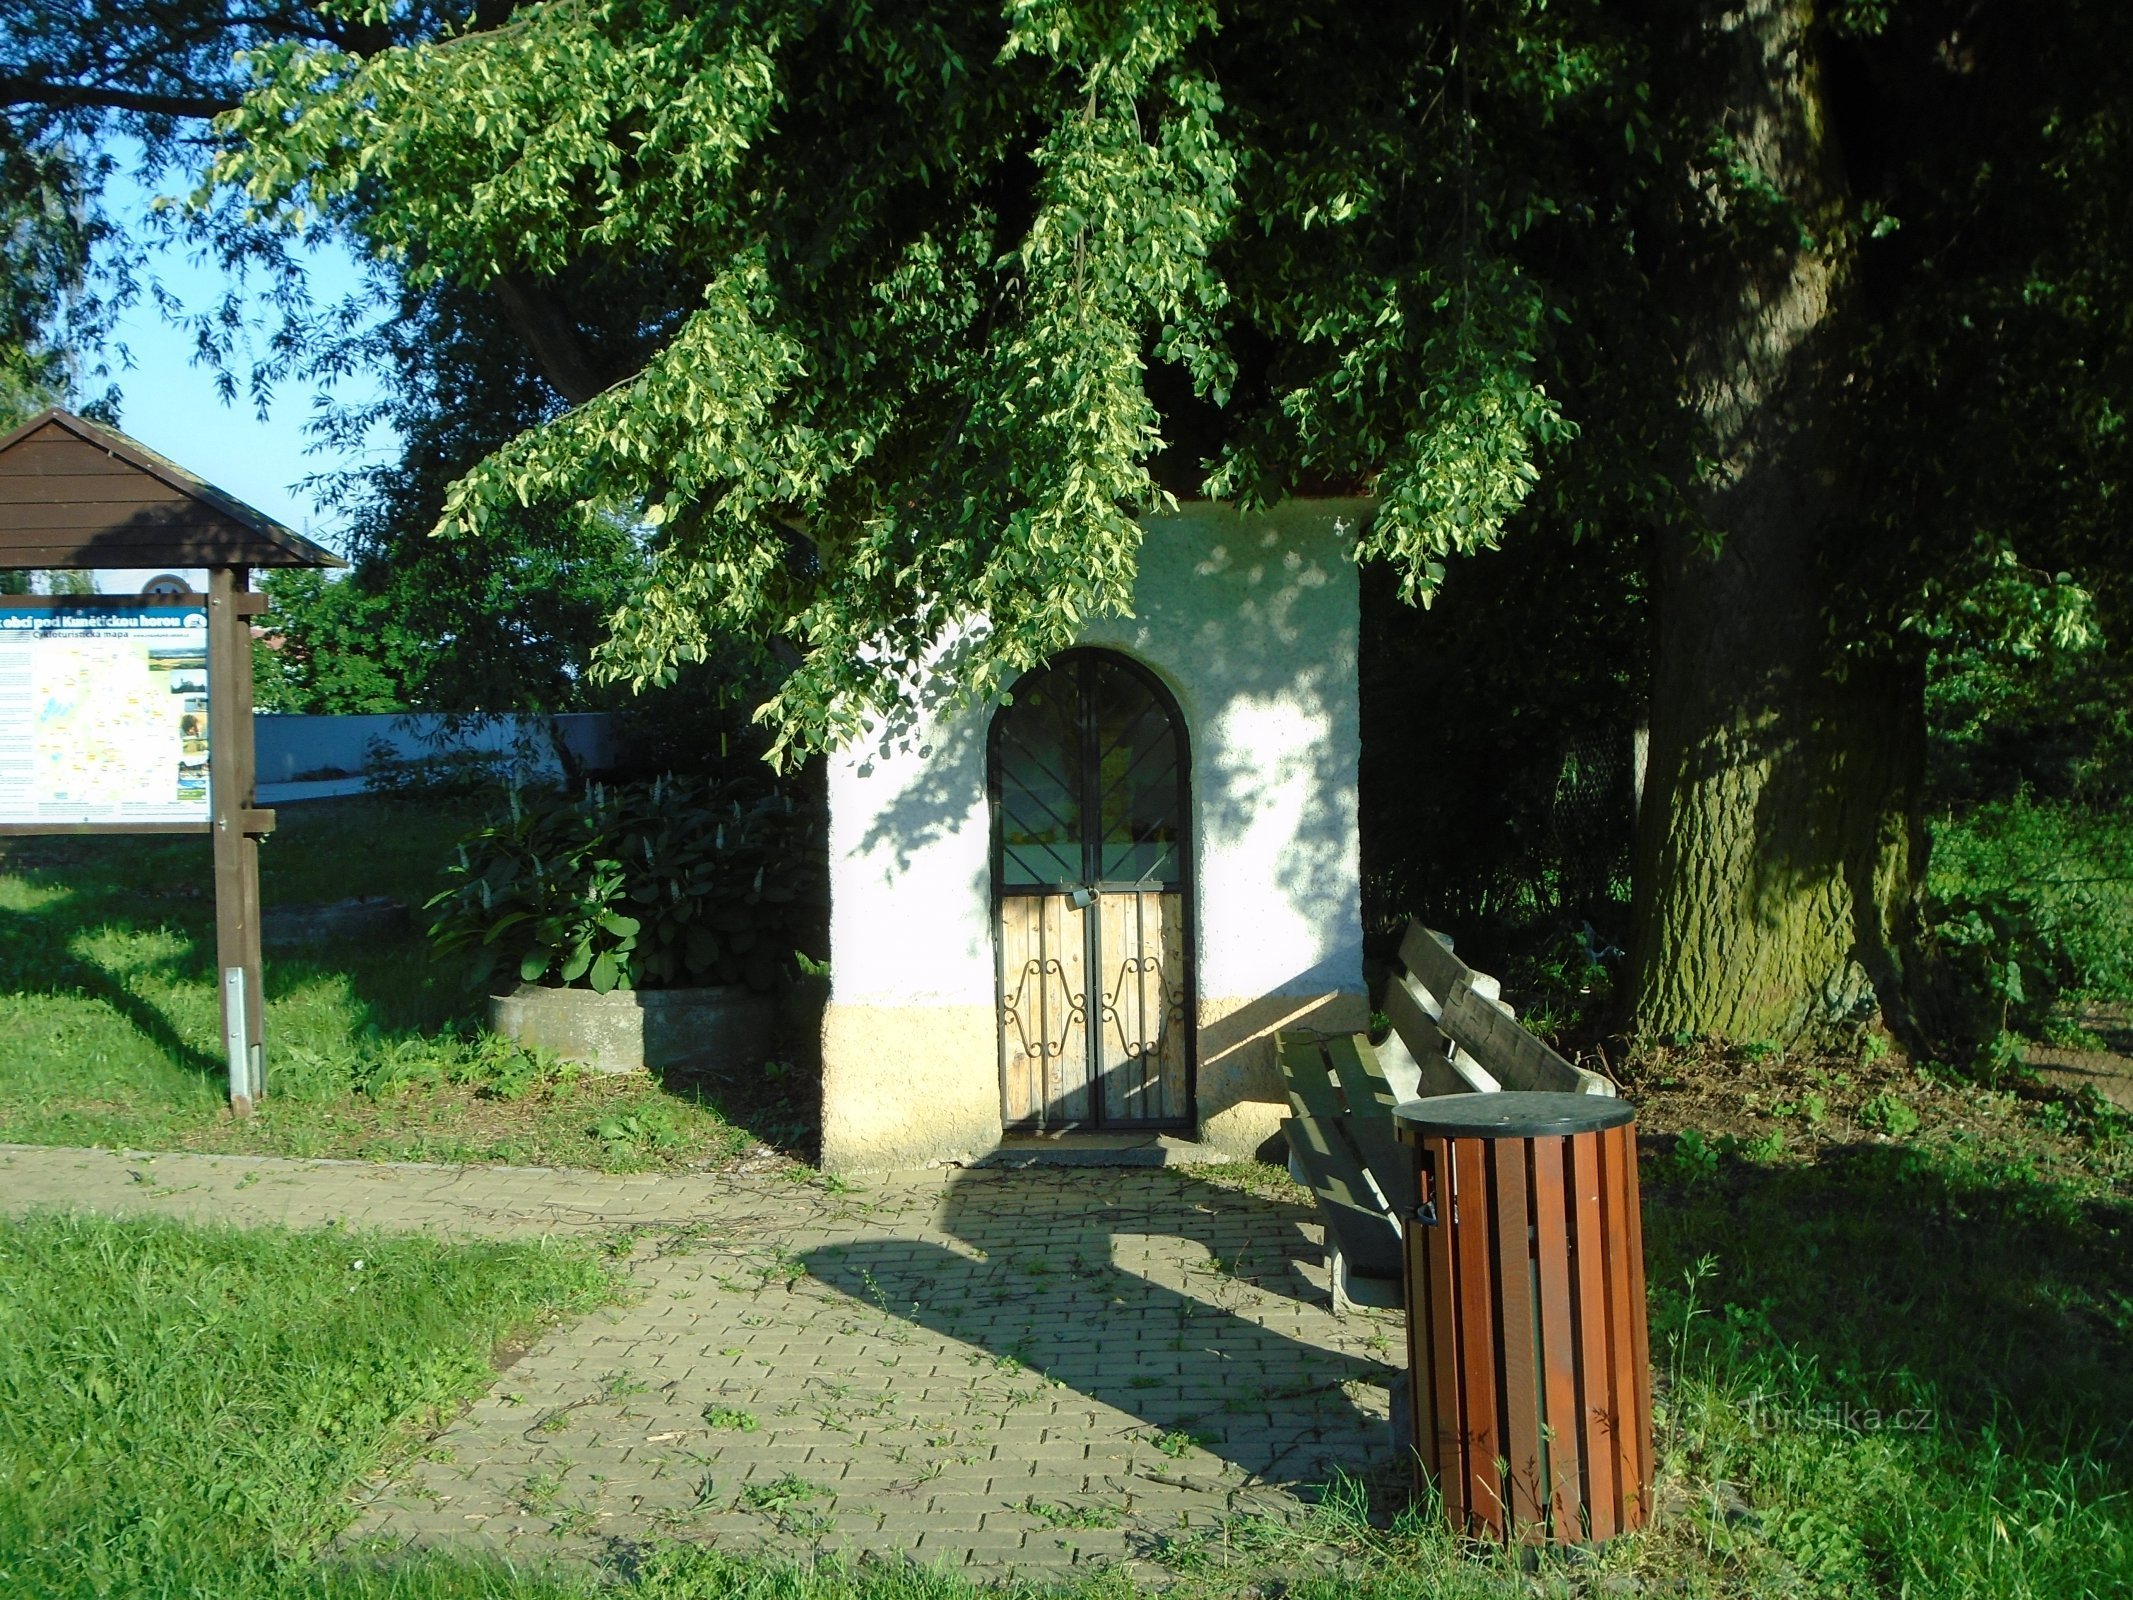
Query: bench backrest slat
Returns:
{"type": "Point", "coordinates": [1441, 1072]}
{"type": "Point", "coordinates": [1514, 1057]}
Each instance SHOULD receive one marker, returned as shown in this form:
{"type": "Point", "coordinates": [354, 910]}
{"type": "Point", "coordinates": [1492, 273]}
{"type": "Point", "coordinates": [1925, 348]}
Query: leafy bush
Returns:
{"type": "Point", "coordinates": [1567, 987]}
{"type": "Point", "coordinates": [2031, 905]}
{"type": "Point", "coordinates": [665, 884]}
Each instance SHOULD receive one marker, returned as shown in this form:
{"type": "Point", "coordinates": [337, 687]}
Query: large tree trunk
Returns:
{"type": "Point", "coordinates": [1778, 847]}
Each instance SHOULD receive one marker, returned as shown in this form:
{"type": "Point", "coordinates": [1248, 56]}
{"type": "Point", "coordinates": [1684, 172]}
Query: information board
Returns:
{"type": "Point", "coordinates": [103, 713]}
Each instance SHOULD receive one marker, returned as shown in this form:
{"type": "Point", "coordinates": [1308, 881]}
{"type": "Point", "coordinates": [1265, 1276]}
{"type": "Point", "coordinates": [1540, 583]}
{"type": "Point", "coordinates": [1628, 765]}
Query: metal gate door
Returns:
{"type": "Point", "coordinates": [1091, 864]}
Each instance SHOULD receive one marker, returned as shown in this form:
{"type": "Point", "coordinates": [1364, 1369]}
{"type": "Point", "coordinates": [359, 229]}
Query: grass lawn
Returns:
{"type": "Point", "coordinates": [110, 1033]}
{"type": "Point", "coordinates": [1898, 1365]}
{"type": "Point", "coordinates": [183, 1410]}
{"type": "Point", "coordinates": [1887, 1365]}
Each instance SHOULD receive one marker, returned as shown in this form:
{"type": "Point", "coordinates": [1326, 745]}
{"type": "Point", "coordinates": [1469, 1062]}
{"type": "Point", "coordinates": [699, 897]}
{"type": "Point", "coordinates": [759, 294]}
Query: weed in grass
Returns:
{"type": "Point", "coordinates": [1766, 1147]}
{"type": "Point", "coordinates": [574, 1521]}
{"type": "Point", "coordinates": [1890, 1114]}
{"type": "Point", "coordinates": [1057, 1515]}
{"type": "Point", "coordinates": [636, 1136]}
{"type": "Point", "coordinates": [780, 1494]}
{"type": "Point", "coordinates": [540, 1493]}
{"type": "Point", "coordinates": [1690, 1162]}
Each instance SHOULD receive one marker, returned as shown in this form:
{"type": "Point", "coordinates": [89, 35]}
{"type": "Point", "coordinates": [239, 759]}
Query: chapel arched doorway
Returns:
{"type": "Point", "coordinates": [1092, 890]}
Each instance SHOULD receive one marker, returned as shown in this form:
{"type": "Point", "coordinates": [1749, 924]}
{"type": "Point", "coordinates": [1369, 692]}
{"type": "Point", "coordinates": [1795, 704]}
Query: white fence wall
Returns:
{"type": "Point", "coordinates": [289, 746]}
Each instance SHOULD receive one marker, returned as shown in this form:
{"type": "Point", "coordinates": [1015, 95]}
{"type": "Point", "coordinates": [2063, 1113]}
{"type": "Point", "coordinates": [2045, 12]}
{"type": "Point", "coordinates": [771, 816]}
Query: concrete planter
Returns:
{"type": "Point", "coordinates": [639, 1030]}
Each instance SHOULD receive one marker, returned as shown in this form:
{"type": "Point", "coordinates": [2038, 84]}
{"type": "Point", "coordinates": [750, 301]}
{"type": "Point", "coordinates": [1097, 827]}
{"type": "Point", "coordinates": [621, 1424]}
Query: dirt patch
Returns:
{"type": "Point", "coordinates": [1784, 1105]}
{"type": "Point", "coordinates": [2104, 1071]}
{"type": "Point", "coordinates": [2108, 1071]}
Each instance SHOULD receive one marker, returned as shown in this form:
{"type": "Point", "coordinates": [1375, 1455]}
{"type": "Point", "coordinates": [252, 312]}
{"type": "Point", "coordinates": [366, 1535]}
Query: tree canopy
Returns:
{"type": "Point", "coordinates": [934, 270]}
{"type": "Point", "coordinates": [835, 329]}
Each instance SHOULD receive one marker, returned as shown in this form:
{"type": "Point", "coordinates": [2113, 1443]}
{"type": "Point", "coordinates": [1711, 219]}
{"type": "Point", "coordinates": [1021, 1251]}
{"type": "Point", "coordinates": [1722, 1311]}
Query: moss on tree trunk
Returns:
{"type": "Point", "coordinates": [1778, 848]}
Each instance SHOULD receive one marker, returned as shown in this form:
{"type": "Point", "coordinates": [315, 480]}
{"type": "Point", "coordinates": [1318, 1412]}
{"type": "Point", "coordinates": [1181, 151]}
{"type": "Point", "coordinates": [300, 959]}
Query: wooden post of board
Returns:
{"type": "Point", "coordinates": [238, 825]}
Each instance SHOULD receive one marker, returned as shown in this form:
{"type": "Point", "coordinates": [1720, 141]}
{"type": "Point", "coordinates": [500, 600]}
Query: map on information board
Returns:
{"type": "Point", "coordinates": [103, 714]}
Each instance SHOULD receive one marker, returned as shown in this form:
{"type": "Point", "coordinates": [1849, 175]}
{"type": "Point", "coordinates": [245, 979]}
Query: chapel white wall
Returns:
{"type": "Point", "coordinates": [1251, 621]}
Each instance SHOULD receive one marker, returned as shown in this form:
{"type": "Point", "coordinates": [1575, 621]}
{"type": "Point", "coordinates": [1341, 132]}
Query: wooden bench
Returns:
{"type": "Point", "coordinates": [1451, 1034]}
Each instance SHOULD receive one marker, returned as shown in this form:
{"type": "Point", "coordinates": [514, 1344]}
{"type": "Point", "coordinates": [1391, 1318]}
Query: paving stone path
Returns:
{"type": "Point", "coordinates": [1031, 1370]}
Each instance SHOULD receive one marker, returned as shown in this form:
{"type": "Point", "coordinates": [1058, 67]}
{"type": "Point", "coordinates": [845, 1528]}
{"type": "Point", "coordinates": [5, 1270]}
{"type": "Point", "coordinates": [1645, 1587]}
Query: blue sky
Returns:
{"type": "Point", "coordinates": [170, 403]}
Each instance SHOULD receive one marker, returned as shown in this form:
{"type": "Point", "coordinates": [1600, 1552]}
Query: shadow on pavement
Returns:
{"type": "Point", "coordinates": [1172, 1301]}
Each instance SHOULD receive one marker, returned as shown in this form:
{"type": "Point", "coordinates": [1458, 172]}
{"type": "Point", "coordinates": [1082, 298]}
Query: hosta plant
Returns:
{"type": "Point", "coordinates": [673, 883]}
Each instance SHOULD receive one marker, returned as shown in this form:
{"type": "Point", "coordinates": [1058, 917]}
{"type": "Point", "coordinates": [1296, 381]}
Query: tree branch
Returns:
{"type": "Point", "coordinates": [564, 357]}
{"type": "Point", "coordinates": [67, 96]}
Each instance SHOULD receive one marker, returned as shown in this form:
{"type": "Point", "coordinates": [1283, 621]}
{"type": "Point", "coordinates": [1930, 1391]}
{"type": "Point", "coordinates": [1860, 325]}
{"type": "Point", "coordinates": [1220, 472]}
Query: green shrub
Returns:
{"type": "Point", "coordinates": [663, 884]}
{"type": "Point", "coordinates": [2030, 905]}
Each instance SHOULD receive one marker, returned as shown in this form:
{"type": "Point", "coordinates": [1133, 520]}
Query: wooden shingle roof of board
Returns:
{"type": "Point", "coordinates": [74, 493]}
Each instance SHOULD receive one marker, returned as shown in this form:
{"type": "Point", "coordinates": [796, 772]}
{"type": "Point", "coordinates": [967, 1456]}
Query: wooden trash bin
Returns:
{"type": "Point", "coordinates": [1526, 1330]}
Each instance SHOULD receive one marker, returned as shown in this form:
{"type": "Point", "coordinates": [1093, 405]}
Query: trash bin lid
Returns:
{"type": "Point", "coordinates": [1512, 1114]}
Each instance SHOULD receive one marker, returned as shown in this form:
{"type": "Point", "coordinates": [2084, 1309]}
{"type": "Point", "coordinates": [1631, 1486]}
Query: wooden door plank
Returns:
{"type": "Point", "coordinates": [1118, 1071]}
{"type": "Point", "coordinates": [1066, 1077]}
{"type": "Point", "coordinates": [1176, 1031]}
{"type": "Point", "coordinates": [1141, 1045]}
{"type": "Point", "coordinates": [1022, 1019]}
